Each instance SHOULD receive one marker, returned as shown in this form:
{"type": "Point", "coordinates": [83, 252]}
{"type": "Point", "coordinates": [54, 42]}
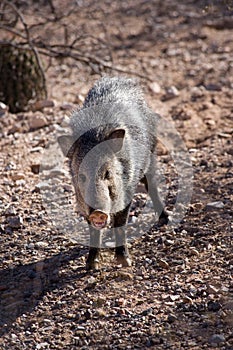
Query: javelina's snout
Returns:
{"type": "Point", "coordinates": [98, 219]}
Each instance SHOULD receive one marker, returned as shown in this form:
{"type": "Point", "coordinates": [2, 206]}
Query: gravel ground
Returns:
{"type": "Point", "coordinates": [178, 293]}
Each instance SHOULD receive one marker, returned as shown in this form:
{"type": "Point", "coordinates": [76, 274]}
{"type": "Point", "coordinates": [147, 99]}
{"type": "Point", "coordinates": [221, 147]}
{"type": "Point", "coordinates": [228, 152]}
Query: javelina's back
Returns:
{"type": "Point", "coordinates": [114, 100]}
{"type": "Point", "coordinates": [115, 90]}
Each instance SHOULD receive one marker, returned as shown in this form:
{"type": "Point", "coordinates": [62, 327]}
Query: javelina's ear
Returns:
{"type": "Point", "coordinates": [117, 138]}
{"type": "Point", "coordinates": [65, 142]}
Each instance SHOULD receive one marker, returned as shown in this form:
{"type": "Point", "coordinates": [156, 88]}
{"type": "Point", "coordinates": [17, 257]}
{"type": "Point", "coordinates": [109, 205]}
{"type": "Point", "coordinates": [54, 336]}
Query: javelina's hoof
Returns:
{"type": "Point", "coordinates": [163, 219]}
{"type": "Point", "coordinates": [92, 265]}
{"type": "Point", "coordinates": [124, 261]}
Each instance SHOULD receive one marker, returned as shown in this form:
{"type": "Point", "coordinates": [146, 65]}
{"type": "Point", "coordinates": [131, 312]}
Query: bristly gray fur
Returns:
{"type": "Point", "coordinates": [115, 101]}
{"type": "Point", "coordinates": [115, 90]}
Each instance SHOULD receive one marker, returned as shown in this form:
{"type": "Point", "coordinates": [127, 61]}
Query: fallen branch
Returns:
{"type": "Point", "coordinates": [62, 50]}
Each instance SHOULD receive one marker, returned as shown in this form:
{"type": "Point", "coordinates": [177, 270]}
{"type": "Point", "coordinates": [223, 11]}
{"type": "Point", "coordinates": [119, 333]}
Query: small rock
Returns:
{"type": "Point", "coordinates": [212, 290]}
{"type": "Point", "coordinates": [187, 300]}
{"type": "Point", "coordinates": [36, 149]}
{"type": "Point", "coordinates": [3, 109]}
{"type": "Point", "coordinates": [197, 92]}
{"type": "Point", "coordinates": [171, 318]}
{"type": "Point", "coordinates": [214, 305]}
{"type": "Point", "coordinates": [10, 211]}
{"type": "Point", "coordinates": [217, 339]}
{"type": "Point", "coordinates": [68, 188]}
{"type": "Point", "coordinates": [37, 122]}
{"type": "Point", "coordinates": [67, 107]}
{"type": "Point", "coordinates": [215, 205]}
{"type": "Point", "coordinates": [40, 105]}
{"type": "Point", "coordinates": [91, 280]}
{"type": "Point", "coordinates": [41, 186]}
{"type": "Point", "coordinates": [31, 246]}
{"type": "Point", "coordinates": [79, 99]}
{"type": "Point", "coordinates": [174, 297]}
{"type": "Point", "coordinates": [123, 275]}
{"type": "Point", "coordinates": [65, 122]}
{"type": "Point", "coordinates": [15, 221]}
{"type": "Point", "coordinates": [18, 176]}
{"type": "Point", "coordinates": [194, 251]}
{"type": "Point", "coordinates": [10, 166]}
{"type": "Point", "coordinates": [155, 87]}
{"type": "Point", "coordinates": [171, 92]}
{"type": "Point", "coordinates": [35, 168]}
{"type": "Point", "coordinates": [121, 302]}
{"type": "Point", "coordinates": [213, 87]}
{"type": "Point", "coordinates": [100, 301]}
{"type": "Point", "coordinates": [42, 346]}
{"type": "Point", "coordinates": [41, 245]}
{"type": "Point", "coordinates": [162, 263]}
{"type": "Point", "coordinates": [20, 182]}
{"type": "Point", "coordinates": [57, 172]}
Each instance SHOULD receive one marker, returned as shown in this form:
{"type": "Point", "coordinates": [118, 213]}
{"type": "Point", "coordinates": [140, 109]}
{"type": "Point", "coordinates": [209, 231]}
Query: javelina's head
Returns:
{"type": "Point", "coordinates": [97, 172]}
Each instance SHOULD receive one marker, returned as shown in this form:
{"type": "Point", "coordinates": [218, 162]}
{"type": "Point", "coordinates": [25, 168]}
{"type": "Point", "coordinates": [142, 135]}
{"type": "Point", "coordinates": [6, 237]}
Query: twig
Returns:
{"type": "Point", "coordinates": [65, 50]}
{"type": "Point", "coordinates": [88, 59]}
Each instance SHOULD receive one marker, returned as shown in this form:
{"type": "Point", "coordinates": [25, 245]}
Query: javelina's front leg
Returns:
{"type": "Point", "coordinates": [151, 187]}
{"type": "Point", "coordinates": [93, 259]}
{"type": "Point", "coordinates": [121, 251]}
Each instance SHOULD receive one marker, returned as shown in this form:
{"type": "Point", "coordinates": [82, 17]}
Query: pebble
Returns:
{"type": "Point", "coordinates": [31, 246]}
{"type": "Point", "coordinates": [41, 245]}
{"type": "Point", "coordinates": [214, 205]}
{"type": "Point", "coordinates": [197, 92]}
{"type": "Point", "coordinates": [42, 346]}
{"type": "Point", "coordinates": [217, 339]}
{"type": "Point", "coordinates": [42, 186]}
{"type": "Point", "coordinates": [162, 263]}
{"type": "Point", "coordinates": [35, 168]}
{"type": "Point", "coordinates": [91, 280]}
{"type": "Point", "coordinates": [79, 99]}
{"type": "Point", "coordinates": [37, 122]}
{"type": "Point", "coordinates": [15, 221]}
{"type": "Point", "coordinates": [3, 109]}
{"type": "Point", "coordinates": [193, 251]}
{"type": "Point", "coordinates": [40, 105]}
{"type": "Point", "coordinates": [155, 87]}
{"type": "Point", "coordinates": [20, 182]}
{"type": "Point", "coordinates": [171, 92]}
{"type": "Point", "coordinates": [214, 305]}
{"type": "Point", "coordinates": [10, 211]}
{"type": "Point", "coordinates": [67, 107]}
{"type": "Point", "coordinates": [213, 87]}
{"type": "Point", "coordinates": [212, 290]}
{"type": "Point", "coordinates": [171, 318]}
{"type": "Point", "coordinates": [10, 166]}
{"type": "Point", "coordinates": [57, 172]}
{"type": "Point", "coordinates": [36, 149]}
{"type": "Point", "coordinates": [18, 176]}
{"type": "Point", "coordinates": [65, 122]}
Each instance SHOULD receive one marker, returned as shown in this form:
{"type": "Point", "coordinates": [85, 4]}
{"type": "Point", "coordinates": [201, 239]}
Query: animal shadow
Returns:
{"type": "Point", "coordinates": [22, 287]}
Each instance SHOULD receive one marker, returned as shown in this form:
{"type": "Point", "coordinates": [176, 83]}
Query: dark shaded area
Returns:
{"type": "Point", "coordinates": [23, 287]}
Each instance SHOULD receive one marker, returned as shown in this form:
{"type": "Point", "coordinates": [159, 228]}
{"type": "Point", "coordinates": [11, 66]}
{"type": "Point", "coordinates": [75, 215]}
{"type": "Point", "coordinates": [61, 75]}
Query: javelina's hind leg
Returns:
{"type": "Point", "coordinates": [121, 252]}
{"type": "Point", "coordinates": [93, 259]}
{"type": "Point", "coordinates": [151, 187]}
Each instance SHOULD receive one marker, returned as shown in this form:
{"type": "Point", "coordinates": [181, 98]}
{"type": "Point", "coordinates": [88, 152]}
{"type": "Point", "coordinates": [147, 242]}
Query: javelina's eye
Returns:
{"type": "Point", "coordinates": [107, 175]}
{"type": "Point", "coordinates": [82, 177]}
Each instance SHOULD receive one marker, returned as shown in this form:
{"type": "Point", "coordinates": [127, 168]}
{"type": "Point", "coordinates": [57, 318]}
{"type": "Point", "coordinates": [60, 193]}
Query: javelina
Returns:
{"type": "Point", "coordinates": [112, 149]}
